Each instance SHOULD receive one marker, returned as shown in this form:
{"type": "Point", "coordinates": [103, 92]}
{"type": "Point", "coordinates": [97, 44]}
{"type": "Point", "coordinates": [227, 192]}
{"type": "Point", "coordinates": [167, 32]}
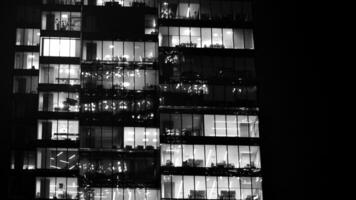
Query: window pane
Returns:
{"type": "Point", "coordinates": [227, 35]}
{"type": "Point", "coordinates": [189, 191]}
{"type": "Point", "coordinates": [248, 36]}
{"type": "Point", "coordinates": [254, 129]}
{"type": "Point", "coordinates": [233, 156]}
{"type": "Point", "coordinates": [176, 153]}
{"type": "Point", "coordinates": [152, 137]}
{"type": "Point", "coordinates": [108, 50]}
{"type": "Point", "coordinates": [243, 126]}
{"type": "Point", "coordinates": [206, 37]}
{"type": "Point", "coordinates": [139, 51]}
{"type": "Point", "coordinates": [209, 127]}
{"type": "Point", "coordinates": [231, 122]}
{"type": "Point", "coordinates": [211, 185]}
{"type": "Point", "coordinates": [223, 188]}
{"type": "Point", "coordinates": [210, 155]}
{"type": "Point", "coordinates": [129, 136]}
{"type": "Point", "coordinates": [244, 156]}
{"type": "Point", "coordinates": [177, 120]}
{"type": "Point", "coordinates": [246, 188]}
{"type": "Point", "coordinates": [129, 51]}
{"type": "Point", "coordinates": [188, 156]}
{"type": "Point", "coordinates": [187, 124]}
{"type": "Point", "coordinates": [220, 124]}
{"type": "Point", "coordinates": [199, 160]}
{"type": "Point", "coordinates": [234, 185]}
{"type": "Point", "coordinates": [255, 156]}
{"type": "Point", "coordinates": [238, 39]}
{"type": "Point", "coordinates": [221, 156]}
{"type": "Point", "coordinates": [140, 137]}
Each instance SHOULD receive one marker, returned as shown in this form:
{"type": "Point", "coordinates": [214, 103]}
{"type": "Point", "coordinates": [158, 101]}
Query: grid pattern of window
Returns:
{"type": "Point", "coordinates": [61, 21]}
{"type": "Point", "coordinates": [211, 187]}
{"type": "Point", "coordinates": [120, 51]}
{"type": "Point", "coordinates": [27, 37]}
{"type": "Point", "coordinates": [57, 158]}
{"type": "Point", "coordinates": [210, 156]}
{"type": "Point", "coordinates": [26, 60]}
{"type": "Point", "coordinates": [62, 47]}
{"type": "Point", "coordinates": [196, 37]}
{"type": "Point", "coordinates": [122, 194]}
{"type": "Point", "coordinates": [208, 68]}
{"type": "Point", "coordinates": [119, 137]}
{"type": "Point", "coordinates": [122, 3]}
{"type": "Point", "coordinates": [58, 130]}
{"type": "Point", "coordinates": [58, 102]}
{"type": "Point", "coordinates": [209, 125]}
{"type": "Point", "coordinates": [60, 74]}
{"type": "Point", "coordinates": [116, 106]}
{"type": "Point", "coordinates": [119, 78]}
{"type": "Point", "coordinates": [25, 84]}
{"type": "Point", "coordinates": [123, 169]}
{"type": "Point", "coordinates": [62, 2]}
{"type": "Point", "coordinates": [56, 188]}
{"type": "Point", "coordinates": [206, 10]}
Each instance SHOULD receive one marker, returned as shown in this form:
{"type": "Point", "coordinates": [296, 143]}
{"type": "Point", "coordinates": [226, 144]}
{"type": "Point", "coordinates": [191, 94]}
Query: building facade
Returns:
{"type": "Point", "coordinates": [135, 99]}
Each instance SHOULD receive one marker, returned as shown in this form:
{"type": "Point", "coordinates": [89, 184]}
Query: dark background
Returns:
{"type": "Point", "coordinates": [294, 110]}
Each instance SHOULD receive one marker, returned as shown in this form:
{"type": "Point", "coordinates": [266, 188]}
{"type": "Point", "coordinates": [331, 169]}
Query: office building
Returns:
{"type": "Point", "coordinates": [134, 99]}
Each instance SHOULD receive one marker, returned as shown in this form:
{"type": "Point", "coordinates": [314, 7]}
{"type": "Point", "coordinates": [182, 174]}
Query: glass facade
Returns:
{"type": "Point", "coordinates": [61, 21]}
{"type": "Point", "coordinates": [196, 37]}
{"type": "Point", "coordinates": [27, 37]}
{"type": "Point", "coordinates": [136, 100]}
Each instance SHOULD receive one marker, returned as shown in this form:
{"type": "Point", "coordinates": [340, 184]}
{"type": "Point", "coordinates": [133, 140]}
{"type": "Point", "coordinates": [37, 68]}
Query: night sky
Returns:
{"type": "Point", "coordinates": [293, 109]}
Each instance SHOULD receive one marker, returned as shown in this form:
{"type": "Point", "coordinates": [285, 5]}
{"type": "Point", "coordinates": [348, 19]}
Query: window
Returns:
{"type": "Point", "coordinates": [246, 188]}
{"type": "Point", "coordinates": [168, 9]}
{"type": "Point", "coordinates": [228, 38]}
{"type": "Point", "coordinates": [62, 47]}
{"type": "Point", "coordinates": [56, 188]}
{"type": "Point", "coordinates": [63, 2]}
{"type": "Point", "coordinates": [209, 125]}
{"type": "Point", "coordinates": [140, 137]}
{"type": "Point", "coordinates": [60, 74]}
{"type": "Point", "coordinates": [213, 125]}
{"type": "Point", "coordinates": [58, 130]}
{"type": "Point", "coordinates": [231, 125]}
{"type": "Point", "coordinates": [210, 152]}
{"type": "Point", "coordinates": [25, 84]}
{"type": "Point", "coordinates": [244, 155]}
{"type": "Point", "coordinates": [233, 156]}
{"type": "Point", "coordinates": [255, 157]}
{"type": "Point", "coordinates": [220, 125]}
{"type": "Point", "coordinates": [101, 137]}
{"type": "Point", "coordinates": [257, 187]}
{"type": "Point", "coordinates": [29, 160]}
{"type": "Point", "coordinates": [58, 102]}
{"type": "Point", "coordinates": [151, 25]}
{"type": "Point", "coordinates": [27, 37]}
{"type": "Point", "coordinates": [120, 51]}
{"type": "Point", "coordinates": [199, 156]}
{"type": "Point", "coordinates": [221, 156]}
{"type": "Point", "coordinates": [26, 60]}
{"type": "Point", "coordinates": [189, 192]}
{"type": "Point", "coordinates": [206, 37]}
{"type": "Point", "coordinates": [61, 21]}
{"type": "Point", "coordinates": [188, 159]}
{"type": "Point", "coordinates": [212, 187]}
{"type": "Point", "coordinates": [52, 158]}
{"type": "Point", "coordinates": [234, 186]}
